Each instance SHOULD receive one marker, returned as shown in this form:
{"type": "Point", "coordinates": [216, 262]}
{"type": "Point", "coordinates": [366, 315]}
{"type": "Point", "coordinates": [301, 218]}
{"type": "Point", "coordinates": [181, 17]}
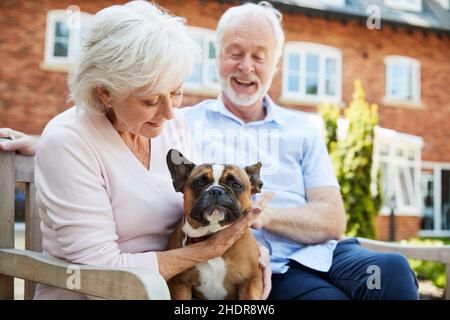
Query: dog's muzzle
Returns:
{"type": "Point", "coordinates": [216, 204]}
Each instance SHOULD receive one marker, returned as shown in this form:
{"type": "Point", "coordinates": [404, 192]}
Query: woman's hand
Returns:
{"type": "Point", "coordinates": [264, 263]}
{"type": "Point", "coordinates": [20, 142]}
{"type": "Point", "coordinates": [264, 218]}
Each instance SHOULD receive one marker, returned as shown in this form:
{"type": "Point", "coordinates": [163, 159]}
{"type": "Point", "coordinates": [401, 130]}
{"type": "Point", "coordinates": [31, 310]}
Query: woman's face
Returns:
{"type": "Point", "coordinates": [145, 114]}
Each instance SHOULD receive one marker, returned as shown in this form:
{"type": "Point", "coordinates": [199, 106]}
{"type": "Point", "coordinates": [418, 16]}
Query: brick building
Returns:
{"type": "Point", "coordinates": [404, 66]}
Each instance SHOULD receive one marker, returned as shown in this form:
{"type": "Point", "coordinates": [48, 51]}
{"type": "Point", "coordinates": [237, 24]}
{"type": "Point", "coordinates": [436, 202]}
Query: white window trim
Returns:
{"type": "Point", "coordinates": [205, 87]}
{"type": "Point", "coordinates": [437, 168]}
{"type": "Point", "coordinates": [414, 66]}
{"type": "Point", "coordinates": [397, 140]}
{"type": "Point", "coordinates": [404, 5]}
{"type": "Point", "coordinates": [60, 63]}
{"type": "Point", "coordinates": [323, 51]}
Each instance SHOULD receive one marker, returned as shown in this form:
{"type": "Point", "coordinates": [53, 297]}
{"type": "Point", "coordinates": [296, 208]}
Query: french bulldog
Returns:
{"type": "Point", "coordinates": [216, 196]}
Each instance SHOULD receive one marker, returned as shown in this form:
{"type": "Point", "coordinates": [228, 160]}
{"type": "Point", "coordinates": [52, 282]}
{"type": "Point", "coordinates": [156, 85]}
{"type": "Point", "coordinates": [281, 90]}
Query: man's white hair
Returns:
{"type": "Point", "coordinates": [263, 8]}
{"type": "Point", "coordinates": [129, 48]}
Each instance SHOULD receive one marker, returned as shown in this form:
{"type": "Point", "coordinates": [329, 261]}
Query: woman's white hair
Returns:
{"type": "Point", "coordinates": [263, 8]}
{"type": "Point", "coordinates": [135, 47]}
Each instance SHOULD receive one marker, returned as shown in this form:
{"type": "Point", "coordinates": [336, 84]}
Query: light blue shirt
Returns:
{"type": "Point", "coordinates": [294, 158]}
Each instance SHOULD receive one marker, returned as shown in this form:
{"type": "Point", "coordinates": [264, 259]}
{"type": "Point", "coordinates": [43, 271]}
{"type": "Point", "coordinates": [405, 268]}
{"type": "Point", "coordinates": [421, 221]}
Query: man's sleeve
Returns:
{"type": "Point", "coordinates": [316, 163]}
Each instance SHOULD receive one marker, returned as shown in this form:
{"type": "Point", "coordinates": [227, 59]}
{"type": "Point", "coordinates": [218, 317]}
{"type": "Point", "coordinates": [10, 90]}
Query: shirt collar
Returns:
{"type": "Point", "coordinates": [272, 114]}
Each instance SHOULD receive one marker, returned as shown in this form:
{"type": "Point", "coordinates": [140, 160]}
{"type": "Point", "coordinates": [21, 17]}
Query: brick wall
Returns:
{"type": "Point", "coordinates": [406, 227]}
{"type": "Point", "coordinates": [30, 96]}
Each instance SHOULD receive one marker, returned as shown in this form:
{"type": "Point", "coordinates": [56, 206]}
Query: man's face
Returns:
{"type": "Point", "coordinates": [246, 60]}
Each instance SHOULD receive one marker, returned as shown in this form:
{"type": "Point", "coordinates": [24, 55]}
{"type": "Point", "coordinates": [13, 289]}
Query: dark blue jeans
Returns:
{"type": "Point", "coordinates": [356, 273]}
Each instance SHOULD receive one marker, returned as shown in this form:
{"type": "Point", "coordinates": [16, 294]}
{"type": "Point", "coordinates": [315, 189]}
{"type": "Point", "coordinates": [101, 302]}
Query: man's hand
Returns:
{"type": "Point", "coordinates": [20, 142]}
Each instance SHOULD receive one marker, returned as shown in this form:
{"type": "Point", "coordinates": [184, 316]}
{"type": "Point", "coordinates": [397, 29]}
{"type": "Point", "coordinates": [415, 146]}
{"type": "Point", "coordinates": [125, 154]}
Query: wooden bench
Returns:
{"type": "Point", "coordinates": [110, 283]}
{"type": "Point", "coordinates": [427, 253]}
{"type": "Point", "coordinates": [35, 267]}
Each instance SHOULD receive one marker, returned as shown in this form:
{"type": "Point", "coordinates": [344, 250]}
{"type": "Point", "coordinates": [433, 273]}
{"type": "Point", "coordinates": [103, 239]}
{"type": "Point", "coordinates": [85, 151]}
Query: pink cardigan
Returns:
{"type": "Point", "coordinates": [98, 204]}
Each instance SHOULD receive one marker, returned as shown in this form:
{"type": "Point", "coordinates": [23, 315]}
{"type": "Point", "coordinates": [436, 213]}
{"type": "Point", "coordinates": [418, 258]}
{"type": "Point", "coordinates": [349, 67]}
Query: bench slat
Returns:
{"type": "Point", "coordinates": [7, 188]}
{"type": "Point", "coordinates": [103, 282]}
{"type": "Point", "coordinates": [429, 253]}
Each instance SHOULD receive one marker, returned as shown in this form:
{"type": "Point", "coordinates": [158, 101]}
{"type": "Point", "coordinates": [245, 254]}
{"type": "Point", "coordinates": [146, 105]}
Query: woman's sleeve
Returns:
{"type": "Point", "coordinates": [75, 205]}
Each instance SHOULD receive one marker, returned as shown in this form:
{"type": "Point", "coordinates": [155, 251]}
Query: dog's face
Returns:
{"type": "Point", "coordinates": [214, 195]}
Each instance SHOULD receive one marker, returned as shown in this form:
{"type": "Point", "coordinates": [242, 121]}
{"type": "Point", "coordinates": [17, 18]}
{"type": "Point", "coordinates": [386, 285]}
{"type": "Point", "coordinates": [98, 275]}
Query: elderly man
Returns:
{"type": "Point", "coordinates": [306, 218]}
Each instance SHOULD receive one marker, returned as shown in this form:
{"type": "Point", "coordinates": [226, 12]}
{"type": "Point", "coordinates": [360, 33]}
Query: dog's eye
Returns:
{"type": "Point", "coordinates": [198, 183]}
{"type": "Point", "coordinates": [236, 186]}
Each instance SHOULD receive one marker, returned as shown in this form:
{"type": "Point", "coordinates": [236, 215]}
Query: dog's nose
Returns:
{"type": "Point", "coordinates": [216, 191]}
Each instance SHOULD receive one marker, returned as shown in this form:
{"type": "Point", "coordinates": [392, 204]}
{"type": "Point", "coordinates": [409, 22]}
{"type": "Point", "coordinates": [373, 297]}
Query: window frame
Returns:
{"type": "Point", "coordinates": [408, 145]}
{"type": "Point", "coordinates": [205, 86]}
{"type": "Point", "coordinates": [53, 17]}
{"type": "Point", "coordinates": [323, 52]}
{"type": "Point", "coordinates": [436, 172]}
{"type": "Point", "coordinates": [414, 79]}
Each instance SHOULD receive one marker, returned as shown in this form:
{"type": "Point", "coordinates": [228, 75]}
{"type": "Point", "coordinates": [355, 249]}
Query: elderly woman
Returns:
{"type": "Point", "coordinates": [104, 193]}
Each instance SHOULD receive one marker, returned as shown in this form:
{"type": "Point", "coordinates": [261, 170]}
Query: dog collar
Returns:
{"type": "Point", "coordinates": [190, 240]}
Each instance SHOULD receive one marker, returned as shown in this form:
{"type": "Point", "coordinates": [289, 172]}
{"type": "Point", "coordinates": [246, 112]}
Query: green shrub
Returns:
{"type": "Point", "coordinates": [352, 161]}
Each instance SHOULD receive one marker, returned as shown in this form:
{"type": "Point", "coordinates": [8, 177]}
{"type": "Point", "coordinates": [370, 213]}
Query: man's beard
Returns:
{"type": "Point", "coordinates": [243, 99]}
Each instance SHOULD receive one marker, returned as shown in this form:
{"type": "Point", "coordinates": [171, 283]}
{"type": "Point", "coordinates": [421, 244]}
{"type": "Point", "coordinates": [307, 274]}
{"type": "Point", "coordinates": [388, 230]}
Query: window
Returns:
{"type": "Point", "coordinates": [311, 73]}
{"type": "Point", "coordinates": [402, 79]}
{"type": "Point", "coordinates": [398, 156]}
{"type": "Point", "coordinates": [409, 5]}
{"type": "Point", "coordinates": [436, 199]}
{"type": "Point", "coordinates": [204, 78]}
{"type": "Point", "coordinates": [427, 186]}
{"type": "Point", "coordinates": [61, 41]}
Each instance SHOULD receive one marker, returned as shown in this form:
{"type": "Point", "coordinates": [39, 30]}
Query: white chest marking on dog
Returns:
{"type": "Point", "coordinates": [202, 231]}
{"type": "Point", "coordinates": [217, 170]}
{"type": "Point", "coordinates": [212, 275]}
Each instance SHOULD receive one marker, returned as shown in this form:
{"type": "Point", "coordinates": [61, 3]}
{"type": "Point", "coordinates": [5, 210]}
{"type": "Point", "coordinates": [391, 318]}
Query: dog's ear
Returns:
{"type": "Point", "coordinates": [255, 180]}
{"type": "Point", "coordinates": [180, 168]}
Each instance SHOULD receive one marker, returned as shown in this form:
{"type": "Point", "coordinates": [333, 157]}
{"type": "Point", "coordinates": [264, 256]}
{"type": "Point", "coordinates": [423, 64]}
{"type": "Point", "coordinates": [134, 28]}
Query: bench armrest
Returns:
{"type": "Point", "coordinates": [102, 282]}
{"type": "Point", "coordinates": [429, 253]}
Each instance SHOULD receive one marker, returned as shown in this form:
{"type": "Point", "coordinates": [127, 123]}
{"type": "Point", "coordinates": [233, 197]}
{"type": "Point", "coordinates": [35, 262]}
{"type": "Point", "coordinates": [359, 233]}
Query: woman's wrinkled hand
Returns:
{"type": "Point", "coordinates": [264, 218]}
{"type": "Point", "coordinates": [19, 142]}
{"type": "Point", "coordinates": [264, 263]}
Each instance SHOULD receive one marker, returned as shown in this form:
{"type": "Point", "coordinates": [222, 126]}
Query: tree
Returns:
{"type": "Point", "coordinates": [352, 161]}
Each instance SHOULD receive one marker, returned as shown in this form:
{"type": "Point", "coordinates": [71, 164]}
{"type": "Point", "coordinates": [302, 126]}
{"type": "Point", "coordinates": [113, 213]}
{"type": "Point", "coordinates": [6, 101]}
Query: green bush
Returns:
{"type": "Point", "coordinates": [352, 161]}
